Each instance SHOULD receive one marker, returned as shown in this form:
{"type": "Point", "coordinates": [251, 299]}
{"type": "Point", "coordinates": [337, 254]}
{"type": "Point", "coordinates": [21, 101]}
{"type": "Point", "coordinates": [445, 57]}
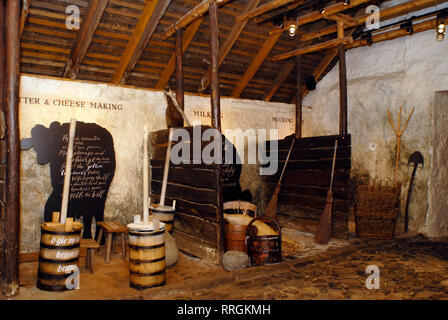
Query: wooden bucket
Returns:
{"type": "Point", "coordinates": [240, 207]}
{"type": "Point", "coordinates": [263, 249]}
{"type": "Point", "coordinates": [235, 237]}
{"type": "Point", "coordinates": [146, 256]}
{"type": "Point", "coordinates": [58, 256]}
{"type": "Point", "coordinates": [165, 214]}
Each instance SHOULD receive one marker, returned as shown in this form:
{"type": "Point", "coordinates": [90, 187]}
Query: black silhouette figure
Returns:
{"type": "Point", "coordinates": [93, 168]}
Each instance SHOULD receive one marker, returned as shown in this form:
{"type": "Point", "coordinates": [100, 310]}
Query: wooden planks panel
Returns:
{"type": "Point", "coordinates": [198, 221]}
{"type": "Point", "coordinates": [307, 179]}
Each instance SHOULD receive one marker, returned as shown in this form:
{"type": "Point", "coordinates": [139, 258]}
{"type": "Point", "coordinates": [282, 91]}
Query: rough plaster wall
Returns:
{"type": "Point", "coordinates": [140, 107]}
{"type": "Point", "coordinates": [438, 185]}
{"type": "Point", "coordinates": [403, 72]}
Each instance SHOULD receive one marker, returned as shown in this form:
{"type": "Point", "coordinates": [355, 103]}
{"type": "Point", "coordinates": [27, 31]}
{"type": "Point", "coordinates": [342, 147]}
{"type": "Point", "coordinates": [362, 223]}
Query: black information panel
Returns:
{"type": "Point", "coordinates": [93, 168]}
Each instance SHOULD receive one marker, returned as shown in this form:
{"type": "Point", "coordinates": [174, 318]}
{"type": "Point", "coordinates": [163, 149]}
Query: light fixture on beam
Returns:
{"type": "Point", "coordinates": [346, 2]}
{"type": "Point", "coordinates": [292, 29]}
{"type": "Point", "coordinates": [368, 37]}
{"type": "Point", "coordinates": [321, 7]}
{"type": "Point", "coordinates": [408, 25]}
{"type": "Point", "coordinates": [441, 27]}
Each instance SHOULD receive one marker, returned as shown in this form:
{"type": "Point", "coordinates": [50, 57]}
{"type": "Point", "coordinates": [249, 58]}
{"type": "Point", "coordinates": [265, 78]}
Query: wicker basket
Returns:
{"type": "Point", "coordinates": [376, 211]}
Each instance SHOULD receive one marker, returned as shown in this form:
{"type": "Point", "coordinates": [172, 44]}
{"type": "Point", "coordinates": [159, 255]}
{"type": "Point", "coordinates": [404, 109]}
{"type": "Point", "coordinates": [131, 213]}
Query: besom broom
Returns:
{"type": "Point", "coordinates": [271, 209]}
{"type": "Point", "coordinates": [323, 233]}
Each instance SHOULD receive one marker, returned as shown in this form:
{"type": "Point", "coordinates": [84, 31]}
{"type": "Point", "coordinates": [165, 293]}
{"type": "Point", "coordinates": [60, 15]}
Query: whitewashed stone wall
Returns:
{"type": "Point", "coordinates": [403, 72]}
{"type": "Point", "coordinates": [138, 108]}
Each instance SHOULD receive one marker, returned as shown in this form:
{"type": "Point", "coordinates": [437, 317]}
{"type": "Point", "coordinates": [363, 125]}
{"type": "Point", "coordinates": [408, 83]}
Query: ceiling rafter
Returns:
{"type": "Point", "coordinates": [224, 50]}
{"type": "Point", "coordinates": [387, 13]}
{"type": "Point", "coordinates": [189, 34]}
{"type": "Point", "coordinates": [275, 4]}
{"type": "Point", "coordinates": [283, 75]}
{"type": "Point", "coordinates": [256, 63]}
{"type": "Point", "coordinates": [89, 24]}
{"type": "Point", "coordinates": [328, 59]}
{"type": "Point", "coordinates": [197, 12]}
{"type": "Point", "coordinates": [145, 28]}
{"type": "Point", "coordinates": [24, 14]}
{"type": "Point", "coordinates": [316, 15]}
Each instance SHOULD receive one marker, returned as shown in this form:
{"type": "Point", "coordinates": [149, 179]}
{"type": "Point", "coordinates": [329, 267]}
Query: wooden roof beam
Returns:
{"type": "Point", "coordinates": [189, 34]}
{"type": "Point", "coordinates": [316, 15]}
{"type": "Point", "coordinates": [314, 48]}
{"type": "Point", "coordinates": [394, 34]}
{"type": "Point", "coordinates": [345, 18]}
{"type": "Point", "coordinates": [255, 65]}
{"type": "Point", "coordinates": [145, 28]}
{"type": "Point", "coordinates": [24, 14]}
{"type": "Point", "coordinates": [387, 13]}
{"type": "Point", "coordinates": [232, 37]}
{"type": "Point", "coordinates": [282, 75]}
{"type": "Point", "coordinates": [197, 12]}
{"type": "Point", "coordinates": [90, 21]}
{"type": "Point", "coordinates": [329, 57]}
{"type": "Point", "coordinates": [401, 9]}
{"type": "Point", "coordinates": [275, 4]}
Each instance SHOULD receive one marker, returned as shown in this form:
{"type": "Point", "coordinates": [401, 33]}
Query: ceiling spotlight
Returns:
{"type": "Point", "coordinates": [346, 2]}
{"type": "Point", "coordinates": [292, 29]}
{"type": "Point", "coordinates": [441, 26]}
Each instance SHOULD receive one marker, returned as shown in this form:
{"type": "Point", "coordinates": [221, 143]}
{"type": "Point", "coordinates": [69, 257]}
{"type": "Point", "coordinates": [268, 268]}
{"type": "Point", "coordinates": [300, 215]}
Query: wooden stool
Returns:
{"type": "Point", "coordinates": [90, 245]}
{"type": "Point", "coordinates": [110, 228]}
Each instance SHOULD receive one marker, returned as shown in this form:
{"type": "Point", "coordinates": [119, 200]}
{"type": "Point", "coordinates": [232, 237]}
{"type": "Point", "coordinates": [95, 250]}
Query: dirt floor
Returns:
{"type": "Point", "coordinates": [410, 268]}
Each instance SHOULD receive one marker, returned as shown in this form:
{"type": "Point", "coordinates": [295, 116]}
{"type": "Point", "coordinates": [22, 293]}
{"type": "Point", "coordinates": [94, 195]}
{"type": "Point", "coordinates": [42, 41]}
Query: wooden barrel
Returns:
{"type": "Point", "coordinates": [58, 256]}
{"type": "Point", "coordinates": [165, 214]}
{"type": "Point", "coordinates": [146, 257]}
{"type": "Point", "coordinates": [264, 249]}
{"type": "Point", "coordinates": [235, 237]}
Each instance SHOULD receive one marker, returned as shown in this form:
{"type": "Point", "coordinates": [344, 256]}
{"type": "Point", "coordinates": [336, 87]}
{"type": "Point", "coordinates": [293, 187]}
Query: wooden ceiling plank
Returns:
{"type": "Point", "coordinates": [89, 24]}
{"type": "Point", "coordinates": [197, 12]}
{"type": "Point", "coordinates": [189, 34]}
{"type": "Point", "coordinates": [146, 26]}
{"type": "Point", "coordinates": [275, 4]}
{"type": "Point", "coordinates": [232, 37]}
{"type": "Point", "coordinates": [255, 65]}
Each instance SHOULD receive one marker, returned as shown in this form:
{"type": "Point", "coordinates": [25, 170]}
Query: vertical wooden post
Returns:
{"type": "Point", "coordinates": [2, 141]}
{"type": "Point", "coordinates": [2, 51]}
{"type": "Point", "coordinates": [180, 69]}
{"type": "Point", "coordinates": [342, 82]}
{"type": "Point", "coordinates": [11, 106]}
{"type": "Point", "coordinates": [342, 91]}
{"type": "Point", "coordinates": [215, 97]}
{"type": "Point", "coordinates": [214, 62]}
{"type": "Point", "coordinates": [299, 97]}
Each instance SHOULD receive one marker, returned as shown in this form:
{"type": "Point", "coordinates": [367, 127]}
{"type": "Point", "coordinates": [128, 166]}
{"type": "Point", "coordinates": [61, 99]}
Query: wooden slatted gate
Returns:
{"type": "Point", "coordinates": [198, 224]}
{"type": "Point", "coordinates": [306, 182]}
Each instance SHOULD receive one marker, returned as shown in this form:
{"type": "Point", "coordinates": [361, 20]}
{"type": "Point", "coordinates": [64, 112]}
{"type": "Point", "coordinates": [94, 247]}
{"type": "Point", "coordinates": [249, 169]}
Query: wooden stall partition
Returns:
{"type": "Point", "coordinates": [306, 182]}
{"type": "Point", "coordinates": [198, 221]}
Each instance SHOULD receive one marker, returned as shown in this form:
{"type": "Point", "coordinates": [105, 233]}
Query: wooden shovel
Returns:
{"type": "Point", "coordinates": [323, 233]}
{"type": "Point", "coordinates": [271, 209]}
